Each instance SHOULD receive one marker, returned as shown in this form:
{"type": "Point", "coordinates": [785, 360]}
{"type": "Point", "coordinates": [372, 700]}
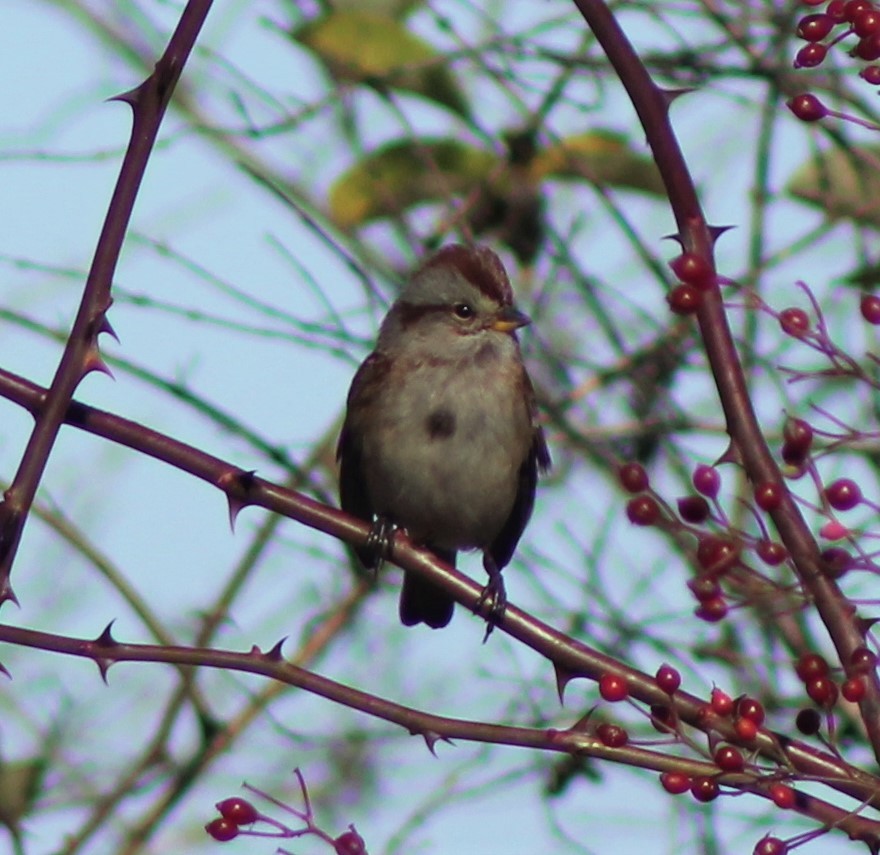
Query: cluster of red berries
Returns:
{"type": "Point", "coordinates": [236, 812]}
{"type": "Point", "coordinates": [747, 713]}
{"type": "Point", "coordinates": [696, 275]}
{"type": "Point", "coordinates": [841, 20]}
{"type": "Point", "coordinates": [815, 673]}
{"type": "Point", "coordinates": [716, 554]}
{"type": "Point", "coordinates": [858, 18]}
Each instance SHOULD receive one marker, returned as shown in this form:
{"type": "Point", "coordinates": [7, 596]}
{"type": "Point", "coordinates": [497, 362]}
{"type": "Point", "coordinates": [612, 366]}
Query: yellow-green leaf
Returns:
{"type": "Point", "coordinates": [388, 8]}
{"type": "Point", "coordinates": [603, 157]}
{"type": "Point", "coordinates": [401, 174]}
{"type": "Point", "coordinates": [845, 183]}
{"type": "Point", "coordinates": [367, 47]}
{"type": "Point", "coordinates": [20, 783]}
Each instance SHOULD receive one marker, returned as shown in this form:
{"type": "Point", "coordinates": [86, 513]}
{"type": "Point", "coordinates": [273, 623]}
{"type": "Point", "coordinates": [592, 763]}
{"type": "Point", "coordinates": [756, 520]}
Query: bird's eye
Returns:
{"type": "Point", "coordinates": [463, 311]}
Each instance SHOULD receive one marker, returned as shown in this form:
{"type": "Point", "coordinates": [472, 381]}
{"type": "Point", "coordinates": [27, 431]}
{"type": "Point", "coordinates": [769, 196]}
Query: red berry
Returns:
{"type": "Point", "coordinates": [713, 610]}
{"type": "Point", "coordinates": [862, 660]}
{"type": "Point", "coordinates": [722, 703]}
{"type": "Point", "coordinates": [870, 303]}
{"type": "Point", "coordinates": [684, 299]}
{"type": "Point", "coordinates": [810, 55]}
{"type": "Point", "coordinates": [729, 759]}
{"type": "Point", "coordinates": [810, 666]}
{"type": "Point", "coordinates": [662, 718]}
{"type": "Point", "coordinates": [814, 28]}
{"type": "Point", "coordinates": [745, 729]}
{"type": "Point", "coordinates": [238, 810]}
{"type": "Point", "coordinates": [707, 481]}
{"type": "Point", "coordinates": [694, 509]}
{"type": "Point", "coordinates": [836, 9]}
{"type": "Point", "coordinates": [768, 496]}
{"type": "Point", "coordinates": [807, 107]}
{"type": "Point", "coordinates": [822, 691]}
{"type": "Point", "coordinates": [770, 552]}
{"type": "Point", "coordinates": [808, 721]}
{"type": "Point", "coordinates": [613, 687]}
{"type": "Point", "coordinates": [675, 783]}
{"type": "Point", "coordinates": [693, 269]}
{"type": "Point", "coordinates": [871, 74]}
{"type": "Point", "coordinates": [770, 846]}
{"type": "Point", "coordinates": [837, 561]}
{"type": "Point", "coordinates": [853, 8]}
{"type": "Point", "coordinates": [866, 23]}
{"type": "Point", "coordinates": [716, 554]}
{"type": "Point", "coordinates": [612, 735]}
{"type": "Point", "coordinates": [794, 321]}
{"type": "Point", "coordinates": [843, 495]}
{"type": "Point", "coordinates": [704, 789]}
{"type": "Point", "coordinates": [642, 510]}
{"type": "Point", "coordinates": [797, 438]}
{"type": "Point", "coordinates": [783, 796]}
{"type": "Point", "coordinates": [853, 689]}
{"type": "Point", "coordinates": [222, 829]}
{"type": "Point", "coordinates": [633, 478]}
{"type": "Point", "coordinates": [704, 588]}
{"type": "Point", "coordinates": [868, 48]}
{"type": "Point", "coordinates": [750, 708]}
{"type": "Point", "coordinates": [667, 678]}
{"type": "Point", "coordinates": [349, 843]}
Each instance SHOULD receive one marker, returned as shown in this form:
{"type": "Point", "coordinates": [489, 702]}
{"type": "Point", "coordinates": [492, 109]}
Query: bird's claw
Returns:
{"type": "Point", "coordinates": [379, 542]}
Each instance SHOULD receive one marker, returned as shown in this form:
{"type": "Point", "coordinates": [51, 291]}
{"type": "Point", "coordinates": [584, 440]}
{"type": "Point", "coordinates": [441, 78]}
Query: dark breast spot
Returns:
{"type": "Point", "coordinates": [440, 424]}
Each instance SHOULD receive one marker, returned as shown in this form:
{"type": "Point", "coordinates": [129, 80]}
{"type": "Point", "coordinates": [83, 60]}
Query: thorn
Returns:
{"type": "Point", "coordinates": [865, 624]}
{"type": "Point", "coordinates": [106, 327]}
{"type": "Point", "coordinates": [106, 639]}
{"type": "Point", "coordinates": [431, 739]}
{"type": "Point", "coordinates": [95, 362]}
{"type": "Point", "coordinates": [583, 721]}
{"type": "Point", "coordinates": [677, 238]}
{"type": "Point", "coordinates": [131, 97]}
{"type": "Point", "coordinates": [235, 508]}
{"type": "Point", "coordinates": [715, 232]}
{"type": "Point", "coordinates": [233, 483]}
{"type": "Point", "coordinates": [563, 678]}
{"type": "Point", "coordinates": [731, 455]}
{"type": "Point", "coordinates": [104, 667]}
{"type": "Point", "coordinates": [275, 655]}
{"type": "Point", "coordinates": [5, 671]}
{"type": "Point", "coordinates": [7, 595]}
{"type": "Point", "coordinates": [670, 95]}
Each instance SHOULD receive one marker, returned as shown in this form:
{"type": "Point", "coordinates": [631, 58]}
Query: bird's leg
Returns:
{"type": "Point", "coordinates": [493, 593]}
{"type": "Point", "coordinates": [379, 542]}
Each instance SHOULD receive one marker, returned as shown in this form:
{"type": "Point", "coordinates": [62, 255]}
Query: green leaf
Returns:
{"type": "Point", "coordinates": [401, 174]}
{"type": "Point", "coordinates": [20, 784]}
{"type": "Point", "coordinates": [845, 183]}
{"type": "Point", "coordinates": [388, 8]}
{"type": "Point", "coordinates": [367, 47]}
{"type": "Point", "coordinates": [602, 157]}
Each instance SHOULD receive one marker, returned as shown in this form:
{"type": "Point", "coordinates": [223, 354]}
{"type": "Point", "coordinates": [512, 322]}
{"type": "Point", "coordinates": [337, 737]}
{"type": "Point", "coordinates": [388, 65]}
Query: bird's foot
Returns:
{"type": "Point", "coordinates": [494, 594]}
{"type": "Point", "coordinates": [379, 543]}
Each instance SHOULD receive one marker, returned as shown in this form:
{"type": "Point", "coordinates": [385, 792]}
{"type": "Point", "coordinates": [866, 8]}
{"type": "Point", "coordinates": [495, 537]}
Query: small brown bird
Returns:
{"type": "Point", "coordinates": [440, 436]}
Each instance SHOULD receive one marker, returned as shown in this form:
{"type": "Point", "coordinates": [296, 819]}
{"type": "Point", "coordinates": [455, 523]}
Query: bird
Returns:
{"type": "Point", "coordinates": [441, 434]}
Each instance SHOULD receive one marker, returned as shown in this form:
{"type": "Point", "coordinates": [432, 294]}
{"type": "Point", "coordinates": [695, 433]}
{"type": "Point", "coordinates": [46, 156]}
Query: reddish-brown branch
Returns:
{"type": "Point", "coordinates": [570, 658]}
{"type": "Point", "coordinates": [81, 354]}
{"type": "Point", "coordinates": [748, 445]}
{"type": "Point", "coordinates": [106, 651]}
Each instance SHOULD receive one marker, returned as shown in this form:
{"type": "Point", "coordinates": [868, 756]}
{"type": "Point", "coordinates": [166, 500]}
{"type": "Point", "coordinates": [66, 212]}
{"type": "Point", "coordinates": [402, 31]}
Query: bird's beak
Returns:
{"type": "Point", "coordinates": [510, 319]}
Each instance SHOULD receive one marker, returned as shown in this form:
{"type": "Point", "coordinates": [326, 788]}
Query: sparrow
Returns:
{"type": "Point", "coordinates": [441, 434]}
